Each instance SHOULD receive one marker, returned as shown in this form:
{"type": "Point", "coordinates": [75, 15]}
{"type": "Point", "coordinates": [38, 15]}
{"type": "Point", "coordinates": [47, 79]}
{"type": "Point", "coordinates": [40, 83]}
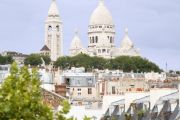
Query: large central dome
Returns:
{"type": "Point", "coordinates": [101, 15]}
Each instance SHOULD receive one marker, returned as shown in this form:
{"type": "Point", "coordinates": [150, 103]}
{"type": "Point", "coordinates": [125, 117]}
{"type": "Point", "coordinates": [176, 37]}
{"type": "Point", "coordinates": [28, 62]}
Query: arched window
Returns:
{"type": "Point", "coordinates": [92, 39]}
{"type": "Point", "coordinates": [57, 28]}
{"type": "Point", "coordinates": [103, 50]}
{"type": "Point", "coordinates": [111, 40]}
{"type": "Point", "coordinates": [49, 28]}
{"type": "Point", "coordinates": [96, 39]}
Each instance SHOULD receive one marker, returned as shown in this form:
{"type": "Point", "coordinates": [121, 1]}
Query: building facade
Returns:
{"type": "Point", "coordinates": [18, 57]}
{"type": "Point", "coordinates": [101, 37]}
{"type": "Point", "coordinates": [53, 32]}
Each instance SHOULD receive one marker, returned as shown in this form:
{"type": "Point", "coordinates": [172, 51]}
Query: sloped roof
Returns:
{"type": "Point", "coordinates": [45, 48]}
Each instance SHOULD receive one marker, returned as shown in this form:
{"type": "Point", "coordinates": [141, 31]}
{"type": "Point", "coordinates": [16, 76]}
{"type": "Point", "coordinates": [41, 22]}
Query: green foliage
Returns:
{"type": "Point", "coordinates": [6, 60]}
{"type": "Point", "coordinates": [20, 96]}
{"type": "Point", "coordinates": [86, 118]}
{"type": "Point", "coordinates": [125, 63]}
{"type": "Point", "coordinates": [64, 111]}
{"type": "Point", "coordinates": [178, 72]}
{"type": "Point", "coordinates": [140, 114]}
{"type": "Point", "coordinates": [35, 59]}
{"type": "Point", "coordinates": [127, 117]}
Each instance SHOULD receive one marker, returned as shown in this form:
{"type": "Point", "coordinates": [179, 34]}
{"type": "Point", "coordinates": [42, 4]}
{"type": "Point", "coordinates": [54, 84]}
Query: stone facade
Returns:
{"type": "Point", "coordinates": [101, 37]}
{"type": "Point", "coordinates": [53, 32]}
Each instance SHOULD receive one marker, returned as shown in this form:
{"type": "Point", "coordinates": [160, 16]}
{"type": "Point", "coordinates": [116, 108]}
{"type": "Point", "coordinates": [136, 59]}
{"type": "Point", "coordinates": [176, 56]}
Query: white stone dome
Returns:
{"type": "Point", "coordinates": [101, 15]}
{"type": "Point", "coordinates": [126, 42]}
{"type": "Point", "coordinates": [76, 42]}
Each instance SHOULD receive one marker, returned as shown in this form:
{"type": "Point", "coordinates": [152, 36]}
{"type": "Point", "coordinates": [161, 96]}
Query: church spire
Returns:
{"type": "Point", "coordinates": [53, 32]}
{"type": "Point", "coordinates": [53, 10]}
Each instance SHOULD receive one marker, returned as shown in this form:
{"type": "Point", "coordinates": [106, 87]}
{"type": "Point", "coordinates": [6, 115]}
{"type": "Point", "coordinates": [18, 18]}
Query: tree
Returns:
{"type": "Point", "coordinates": [6, 59]}
{"type": "Point", "coordinates": [125, 63]}
{"type": "Point", "coordinates": [178, 72]}
{"type": "Point", "coordinates": [36, 59]}
{"type": "Point", "coordinates": [20, 96]}
{"type": "Point", "coordinates": [63, 62]}
{"type": "Point", "coordinates": [46, 59]}
{"type": "Point", "coordinates": [98, 62]}
{"type": "Point", "coordinates": [65, 110]}
{"type": "Point", "coordinates": [87, 118]}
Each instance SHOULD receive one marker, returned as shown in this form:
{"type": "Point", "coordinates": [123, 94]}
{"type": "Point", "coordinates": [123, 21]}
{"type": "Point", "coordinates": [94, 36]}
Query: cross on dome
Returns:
{"type": "Point", "coordinates": [126, 31]}
{"type": "Point", "coordinates": [101, 2]}
{"type": "Point", "coordinates": [76, 31]}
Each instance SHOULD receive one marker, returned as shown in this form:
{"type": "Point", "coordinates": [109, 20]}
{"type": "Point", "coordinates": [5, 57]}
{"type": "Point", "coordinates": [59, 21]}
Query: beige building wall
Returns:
{"type": "Point", "coordinates": [121, 86]}
{"type": "Point", "coordinates": [82, 92]}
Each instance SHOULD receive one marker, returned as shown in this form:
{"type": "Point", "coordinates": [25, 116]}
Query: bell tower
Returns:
{"type": "Point", "coordinates": [53, 32]}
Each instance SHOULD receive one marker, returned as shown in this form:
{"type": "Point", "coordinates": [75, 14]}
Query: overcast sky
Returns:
{"type": "Point", "coordinates": [154, 25]}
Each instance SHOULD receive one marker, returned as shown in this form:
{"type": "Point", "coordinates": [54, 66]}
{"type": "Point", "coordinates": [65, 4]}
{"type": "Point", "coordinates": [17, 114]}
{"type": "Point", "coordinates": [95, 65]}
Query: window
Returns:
{"type": "Point", "coordinates": [99, 50]}
{"type": "Point", "coordinates": [100, 26]}
{"type": "Point", "coordinates": [79, 89]}
{"type": "Point", "coordinates": [89, 90]}
{"type": "Point", "coordinates": [111, 41]}
{"type": "Point", "coordinates": [49, 36]}
{"type": "Point", "coordinates": [57, 28]}
{"type": "Point", "coordinates": [79, 94]}
{"type": "Point", "coordinates": [67, 81]}
{"type": "Point", "coordinates": [50, 28]}
{"type": "Point", "coordinates": [103, 50]}
{"type": "Point", "coordinates": [96, 39]}
{"type": "Point", "coordinates": [113, 90]}
{"type": "Point", "coordinates": [78, 82]}
{"type": "Point", "coordinates": [92, 39]}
